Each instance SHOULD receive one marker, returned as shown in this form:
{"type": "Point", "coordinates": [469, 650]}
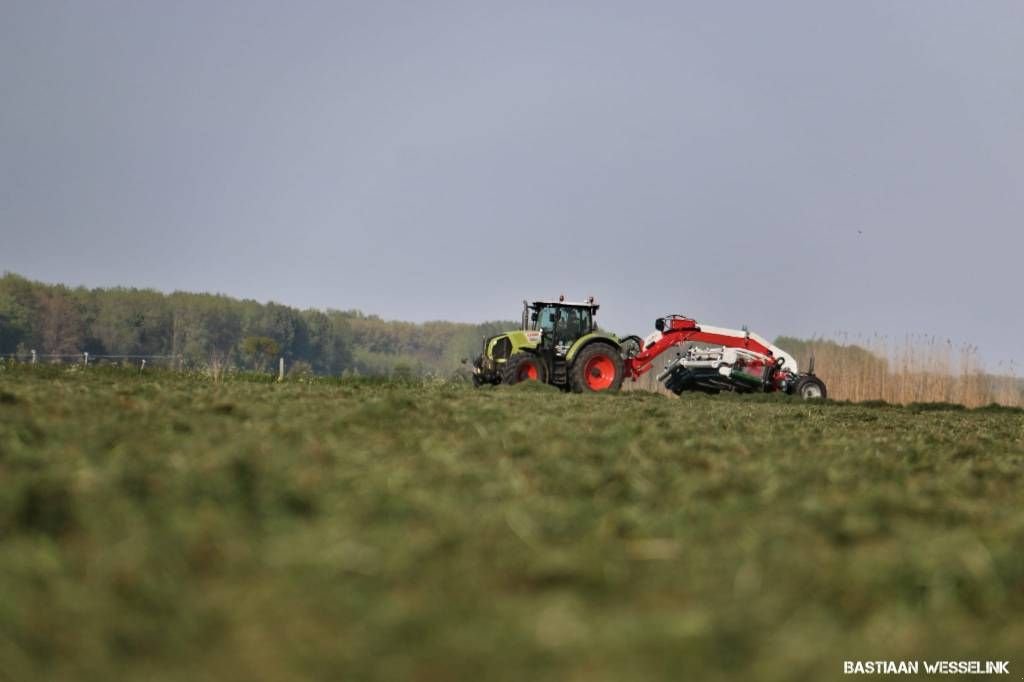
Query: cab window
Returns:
{"type": "Point", "coordinates": [545, 320]}
{"type": "Point", "coordinates": [574, 323]}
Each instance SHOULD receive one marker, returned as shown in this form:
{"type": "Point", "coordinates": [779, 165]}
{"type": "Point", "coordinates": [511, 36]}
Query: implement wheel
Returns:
{"type": "Point", "coordinates": [810, 387]}
{"type": "Point", "coordinates": [597, 369]}
{"type": "Point", "coordinates": [524, 367]}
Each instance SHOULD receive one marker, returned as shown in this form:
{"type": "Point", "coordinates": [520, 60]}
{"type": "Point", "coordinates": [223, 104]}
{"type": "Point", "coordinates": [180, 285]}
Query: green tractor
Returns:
{"type": "Point", "coordinates": [560, 344]}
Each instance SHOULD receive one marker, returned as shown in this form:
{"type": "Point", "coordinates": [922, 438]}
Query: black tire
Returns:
{"type": "Point", "coordinates": [809, 387]}
{"type": "Point", "coordinates": [603, 362]}
{"type": "Point", "coordinates": [519, 367]}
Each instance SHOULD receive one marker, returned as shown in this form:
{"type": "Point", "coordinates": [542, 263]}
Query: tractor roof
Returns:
{"type": "Point", "coordinates": [567, 304]}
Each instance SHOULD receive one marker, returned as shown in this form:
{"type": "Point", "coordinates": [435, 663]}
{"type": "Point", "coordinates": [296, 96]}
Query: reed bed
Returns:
{"type": "Point", "coordinates": [914, 369]}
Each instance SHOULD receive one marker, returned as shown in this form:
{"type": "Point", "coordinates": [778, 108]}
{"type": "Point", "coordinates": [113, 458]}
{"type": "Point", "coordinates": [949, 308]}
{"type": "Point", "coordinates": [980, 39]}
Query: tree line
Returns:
{"type": "Point", "coordinates": [200, 330]}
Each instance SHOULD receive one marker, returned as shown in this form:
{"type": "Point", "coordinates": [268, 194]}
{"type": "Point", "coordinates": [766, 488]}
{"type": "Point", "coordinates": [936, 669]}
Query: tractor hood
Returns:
{"type": "Point", "coordinates": [503, 345]}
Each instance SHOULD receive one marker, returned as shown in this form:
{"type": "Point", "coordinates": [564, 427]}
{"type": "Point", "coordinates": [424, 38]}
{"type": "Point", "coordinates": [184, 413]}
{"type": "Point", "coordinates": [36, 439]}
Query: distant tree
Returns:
{"type": "Point", "coordinates": [401, 371]}
{"type": "Point", "coordinates": [300, 369]}
{"type": "Point", "coordinates": [259, 351]}
{"type": "Point", "coordinates": [10, 336]}
{"type": "Point", "coordinates": [60, 324]}
{"type": "Point", "coordinates": [131, 322]}
{"type": "Point", "coordinates": [330, 341]}
{"type": "Point", "coordinates": [206, 330]}
{"type": "Point", "coordinates": [19, 313]}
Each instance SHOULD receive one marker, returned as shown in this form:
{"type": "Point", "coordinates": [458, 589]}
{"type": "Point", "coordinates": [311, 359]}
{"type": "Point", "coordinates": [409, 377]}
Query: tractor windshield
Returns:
{"type": "Point", "coordinates": [545, 320]}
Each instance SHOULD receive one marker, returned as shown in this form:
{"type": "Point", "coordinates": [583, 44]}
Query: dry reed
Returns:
{"type": "Point", "coordinates": [917, 369]}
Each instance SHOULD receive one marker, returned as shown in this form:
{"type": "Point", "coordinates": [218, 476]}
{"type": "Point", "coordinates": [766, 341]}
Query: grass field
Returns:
{"type": "Point", "coordinates": [162, 527]}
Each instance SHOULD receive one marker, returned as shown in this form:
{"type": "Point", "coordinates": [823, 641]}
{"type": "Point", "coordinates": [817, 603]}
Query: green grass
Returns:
{"type": "Point", "coordinates": [167, 528]}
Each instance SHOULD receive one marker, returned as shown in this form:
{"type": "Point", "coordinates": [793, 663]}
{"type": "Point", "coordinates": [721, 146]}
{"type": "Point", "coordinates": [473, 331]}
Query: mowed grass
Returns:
{"type": "Point", "coordinates": [162, 527]}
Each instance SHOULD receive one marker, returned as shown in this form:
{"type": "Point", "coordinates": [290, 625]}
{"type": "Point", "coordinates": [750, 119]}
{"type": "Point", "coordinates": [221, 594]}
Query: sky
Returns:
{"type": "Point", "coordinates": [803, 168]}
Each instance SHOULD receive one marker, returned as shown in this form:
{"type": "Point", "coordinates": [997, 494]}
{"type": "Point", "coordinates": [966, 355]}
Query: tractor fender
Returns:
{"type": "Point", "coordinates": [586, 340]}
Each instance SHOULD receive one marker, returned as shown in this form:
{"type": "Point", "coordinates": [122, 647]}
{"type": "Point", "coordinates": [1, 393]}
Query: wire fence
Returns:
{"type": "Point", "coordinates": [86, 359]}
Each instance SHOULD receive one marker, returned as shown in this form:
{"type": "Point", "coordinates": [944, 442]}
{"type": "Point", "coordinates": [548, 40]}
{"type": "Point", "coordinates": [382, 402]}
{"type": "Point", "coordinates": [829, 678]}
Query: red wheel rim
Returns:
{"type": "Point", "coordinates": [527, 372]}
{"type": "Point", "coordinates": [599, 373]}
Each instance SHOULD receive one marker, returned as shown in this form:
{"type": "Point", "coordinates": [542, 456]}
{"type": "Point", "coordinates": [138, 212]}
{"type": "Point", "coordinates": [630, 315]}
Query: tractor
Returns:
{"type": "Point", "coordinates": [559, 343]}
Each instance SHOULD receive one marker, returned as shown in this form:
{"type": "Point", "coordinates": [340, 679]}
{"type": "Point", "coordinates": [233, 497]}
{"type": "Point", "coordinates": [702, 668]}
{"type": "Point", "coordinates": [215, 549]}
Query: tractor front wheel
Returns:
{"type": "Point", "coordinates": [524, 367]}
{"type": "Point", "coordinates": [597, 369]}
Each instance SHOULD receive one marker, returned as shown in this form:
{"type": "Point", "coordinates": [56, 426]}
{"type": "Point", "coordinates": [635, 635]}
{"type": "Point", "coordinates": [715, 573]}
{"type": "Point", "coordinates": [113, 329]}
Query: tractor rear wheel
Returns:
{"type": "Point", "coordinates": [810, 387]}
{"type": "Point", "coordinates": [597, 369]}
{"type": "Point", "coordinates": [524, 367]}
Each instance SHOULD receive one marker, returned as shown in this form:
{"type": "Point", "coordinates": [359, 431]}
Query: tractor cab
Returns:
{"type": "Point", "coordinates": [560, 322]}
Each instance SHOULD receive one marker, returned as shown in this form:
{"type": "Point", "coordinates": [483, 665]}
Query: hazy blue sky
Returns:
{"type": "Point", "coordinates": [801, 167]}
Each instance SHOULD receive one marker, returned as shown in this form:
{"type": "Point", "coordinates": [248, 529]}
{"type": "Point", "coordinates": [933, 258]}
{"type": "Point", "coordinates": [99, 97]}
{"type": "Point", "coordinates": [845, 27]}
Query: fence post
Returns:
{"type": "Point", "coordinates": [280, 369]}
{"type": "Point", "coordinates": [33, 356]}
{"type": "Point", "coordinates": [86, 356]}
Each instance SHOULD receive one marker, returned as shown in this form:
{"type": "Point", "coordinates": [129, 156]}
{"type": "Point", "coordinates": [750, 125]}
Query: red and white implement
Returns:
{"type": "Point", "coordinates": [713, 359]}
